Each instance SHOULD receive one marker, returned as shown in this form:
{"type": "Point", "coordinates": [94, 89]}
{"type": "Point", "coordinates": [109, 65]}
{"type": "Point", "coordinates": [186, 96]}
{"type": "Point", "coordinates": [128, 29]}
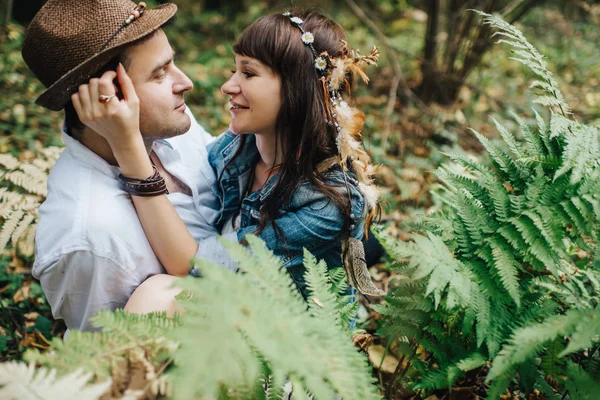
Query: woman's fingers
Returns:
{"type": "Point", "coordinates": [106, 86]}
{"type": "Point", "coordinates": [95, 97]}
{"type": "Point", "coordinates": [129, 94]}
{"type": "Point", "coordinates": [86, 105]}
{"type": "Point", "coordinates": [76, 103]}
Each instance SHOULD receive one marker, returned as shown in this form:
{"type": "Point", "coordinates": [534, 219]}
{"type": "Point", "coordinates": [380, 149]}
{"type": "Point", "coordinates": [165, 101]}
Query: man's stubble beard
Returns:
{"type": "Point", "coordinates": [150, 133]}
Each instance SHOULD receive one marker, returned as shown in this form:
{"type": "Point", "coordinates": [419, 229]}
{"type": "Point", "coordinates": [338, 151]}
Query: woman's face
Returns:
{"type": "Point", "coordinates": [255, 96]}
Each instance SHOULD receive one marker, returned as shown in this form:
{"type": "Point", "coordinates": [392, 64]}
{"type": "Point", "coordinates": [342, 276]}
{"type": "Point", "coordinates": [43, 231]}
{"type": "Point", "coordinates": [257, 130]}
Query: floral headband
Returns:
{"type": "Point", "coordinates": [308, 38]}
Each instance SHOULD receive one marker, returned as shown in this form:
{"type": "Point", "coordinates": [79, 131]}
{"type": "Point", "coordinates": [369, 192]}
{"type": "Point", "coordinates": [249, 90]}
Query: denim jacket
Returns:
{"type": "Point", "coordinates": [310, 220]}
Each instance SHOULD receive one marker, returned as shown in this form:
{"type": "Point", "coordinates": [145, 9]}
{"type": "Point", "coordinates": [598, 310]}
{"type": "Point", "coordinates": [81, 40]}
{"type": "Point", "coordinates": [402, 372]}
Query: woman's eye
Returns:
{"type": "Point", "coordinates": [233, 71]}
{"type": "Point", "coordinates": [248, 74]}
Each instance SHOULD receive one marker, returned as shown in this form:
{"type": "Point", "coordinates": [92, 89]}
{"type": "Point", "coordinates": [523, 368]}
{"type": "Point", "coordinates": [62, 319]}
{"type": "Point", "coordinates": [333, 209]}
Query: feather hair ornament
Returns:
{"type": "Point", "coordinates": [347, 122]}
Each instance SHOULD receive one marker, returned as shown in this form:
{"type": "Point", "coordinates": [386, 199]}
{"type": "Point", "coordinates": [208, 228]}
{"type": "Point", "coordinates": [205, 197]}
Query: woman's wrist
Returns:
{"type": "Point", "coordinates": [132, 157]}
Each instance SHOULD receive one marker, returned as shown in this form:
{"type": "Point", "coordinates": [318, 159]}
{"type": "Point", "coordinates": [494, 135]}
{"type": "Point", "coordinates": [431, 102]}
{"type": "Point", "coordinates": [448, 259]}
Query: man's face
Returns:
{"type": "Point", "coordinates": [160, 86]}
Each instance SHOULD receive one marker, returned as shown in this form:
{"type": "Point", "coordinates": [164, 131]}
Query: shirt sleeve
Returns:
{"type": "Point", "coordinates": [81, 283]}
{"type": "Point", "coordinates": [211, 249]}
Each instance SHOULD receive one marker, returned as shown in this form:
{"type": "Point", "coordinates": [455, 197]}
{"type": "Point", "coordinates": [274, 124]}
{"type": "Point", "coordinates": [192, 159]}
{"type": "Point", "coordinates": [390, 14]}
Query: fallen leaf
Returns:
{"type": "Point", "coordinates": [22, 294]}
{"type": "Point", "coordinates": [376, 355]}
{"type": "Point", "coordinates": [31, 316]}
{"type": "Point", "coordinates": [362, 340]}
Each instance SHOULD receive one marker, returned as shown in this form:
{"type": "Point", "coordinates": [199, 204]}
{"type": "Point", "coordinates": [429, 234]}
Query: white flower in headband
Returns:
{"type": "Point", "coordinates": [296, 20]}
{"type": "Point", "coordinates": [308, 38]}
{"type": "Point", "coordinates": [320, 63]}
{"type": "Point", "coordinates": [287, 14]}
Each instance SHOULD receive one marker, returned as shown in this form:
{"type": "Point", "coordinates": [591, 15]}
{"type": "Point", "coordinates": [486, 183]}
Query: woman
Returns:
{"type": "Point", "coordinates": [292, 171]}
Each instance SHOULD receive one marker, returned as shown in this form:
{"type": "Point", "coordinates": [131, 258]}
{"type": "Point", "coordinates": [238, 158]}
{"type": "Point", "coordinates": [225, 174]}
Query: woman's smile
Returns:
{"type": "Point", "coordinates": [237, 107]}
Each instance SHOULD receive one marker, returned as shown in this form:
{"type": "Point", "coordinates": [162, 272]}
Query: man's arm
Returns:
{"type": "Point", "coordinates": [81, 283]}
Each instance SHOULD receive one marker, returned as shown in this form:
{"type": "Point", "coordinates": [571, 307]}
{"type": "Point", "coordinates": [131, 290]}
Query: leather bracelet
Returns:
{"type": "Point", "coordinates": [154, 185]}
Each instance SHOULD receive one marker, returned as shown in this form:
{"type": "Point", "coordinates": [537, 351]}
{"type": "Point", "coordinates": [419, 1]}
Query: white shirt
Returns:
{"type": "Point", "coordinates": [91, 251]}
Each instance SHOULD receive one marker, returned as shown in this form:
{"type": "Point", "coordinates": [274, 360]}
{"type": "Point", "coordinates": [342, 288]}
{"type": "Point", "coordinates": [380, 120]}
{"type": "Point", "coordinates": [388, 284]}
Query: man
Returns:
{"type": "Point", "coordinates": [91, 250]}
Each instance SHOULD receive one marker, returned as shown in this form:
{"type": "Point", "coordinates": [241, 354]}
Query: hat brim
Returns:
{"type": "Point", "coordinates": [59, 94]}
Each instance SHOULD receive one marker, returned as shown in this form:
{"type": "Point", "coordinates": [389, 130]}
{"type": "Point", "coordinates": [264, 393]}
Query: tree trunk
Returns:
{"type": "Point", "coordinates": [449, 59]}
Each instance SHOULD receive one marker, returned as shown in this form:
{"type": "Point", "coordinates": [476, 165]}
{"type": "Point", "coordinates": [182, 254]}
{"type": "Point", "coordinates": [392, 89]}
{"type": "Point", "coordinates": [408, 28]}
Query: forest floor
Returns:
{"type": "Point", "coordinates": [419, 136]}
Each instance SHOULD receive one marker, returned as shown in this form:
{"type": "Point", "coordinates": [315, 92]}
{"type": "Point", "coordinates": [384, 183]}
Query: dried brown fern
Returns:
{"type": "Point", "coordinates": [22, 190]}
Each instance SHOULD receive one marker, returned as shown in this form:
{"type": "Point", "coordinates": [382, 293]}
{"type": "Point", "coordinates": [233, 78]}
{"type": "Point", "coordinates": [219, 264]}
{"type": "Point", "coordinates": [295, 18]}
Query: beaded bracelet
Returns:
{"type": "Point", "coordinates": [154, 185]}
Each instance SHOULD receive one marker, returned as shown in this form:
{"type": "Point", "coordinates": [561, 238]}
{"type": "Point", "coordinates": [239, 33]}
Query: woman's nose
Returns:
{"type": "Point", "coordinates": [230, 87]}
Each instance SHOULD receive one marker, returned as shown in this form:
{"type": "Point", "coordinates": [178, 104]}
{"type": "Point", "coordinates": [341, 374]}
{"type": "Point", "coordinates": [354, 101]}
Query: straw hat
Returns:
{"type": "Point", "coordinates": [68, 41]}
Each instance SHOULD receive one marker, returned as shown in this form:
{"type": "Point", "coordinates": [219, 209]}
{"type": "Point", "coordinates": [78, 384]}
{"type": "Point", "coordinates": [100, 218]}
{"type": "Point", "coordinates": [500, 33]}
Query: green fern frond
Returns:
{"type": "Point", "coordinates": [586, 332]}
{"type": "Point", "coordinates": [533, 141]}
{"type": "Point", "coordinates": [580, 151]}
{"type": "Point", "coordinates": [321, 300]}
{"type": "Point", "coordinates": [550, 362]}
{"type": "Point", "coordinates": [505, 163]}
{"type": "Point", "coordinates": [509, 139]}
{"type": "Point", "coordinates": [471, 362]}
{"type": "Point", "coordinates": [528, 341]}
{"type": "Point", "coordinates": [536, 245]}
{"type": "Point", "coordinates": [580, 384]}
{"type": "Point", "coordinates": [263, 318]}
{"type": "Point", "coordinates": [531, 58]}
{"type": "Point", "coordinates": [507, 267]}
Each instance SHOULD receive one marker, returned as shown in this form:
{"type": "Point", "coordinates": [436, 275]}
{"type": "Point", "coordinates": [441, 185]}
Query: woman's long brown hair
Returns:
{"type": "Point", "coordinates": [303, 134]}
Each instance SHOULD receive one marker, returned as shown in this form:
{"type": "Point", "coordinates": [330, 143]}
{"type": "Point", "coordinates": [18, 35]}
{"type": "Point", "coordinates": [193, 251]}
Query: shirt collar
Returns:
{"type": "Point", "coordinates": [87, 157]}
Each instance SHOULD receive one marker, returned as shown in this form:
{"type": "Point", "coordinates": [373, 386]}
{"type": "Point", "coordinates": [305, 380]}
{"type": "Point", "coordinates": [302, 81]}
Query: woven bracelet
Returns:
{"type": "Point", "coordinates": [152, 186]}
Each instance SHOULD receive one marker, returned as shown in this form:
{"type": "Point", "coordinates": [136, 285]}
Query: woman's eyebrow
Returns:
{"type": "Point", "coordinates": [250, 62]}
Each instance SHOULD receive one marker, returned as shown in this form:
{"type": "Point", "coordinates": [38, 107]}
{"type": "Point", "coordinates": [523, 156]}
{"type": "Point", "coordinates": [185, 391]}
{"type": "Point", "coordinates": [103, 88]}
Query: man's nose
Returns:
{"type": "Point", "coordinates": [182, 82]}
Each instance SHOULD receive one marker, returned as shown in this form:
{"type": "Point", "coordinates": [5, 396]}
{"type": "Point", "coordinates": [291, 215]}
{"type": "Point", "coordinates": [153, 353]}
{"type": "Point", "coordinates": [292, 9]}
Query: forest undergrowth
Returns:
{"type": "Point", "coordinates": [444, 358]}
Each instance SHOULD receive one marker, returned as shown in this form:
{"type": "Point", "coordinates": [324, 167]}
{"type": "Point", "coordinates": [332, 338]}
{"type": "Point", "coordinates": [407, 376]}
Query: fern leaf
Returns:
{"type": "Point", "coordinates": [507, 268]}
{"type": "Point", "coordinates": [10, 226]}
{"type": "Point", "coordinates": [580, 384]}
{"type": "Point", "coordinates": [321, 299]}
{"type": "Point", "coordinates": [529, 56]}
{"type": "Point", "coordinates": [535, 147]}
{"type": "Point", "coordinates": [585, 334]}
{"type": "Point", "coordinates": [499, 157]}
{"type": "Point", "coordinates": [21, 381]}
{"type": "Point", "coordinates": [471, 362]}
{"type": "Point", "coordinates": [528, 341]}
{"type": "Point", "coordinates": [509, 139]}
{"type": "Point", "coordinates": [21, 227]}
{"type": "Point", "coordinates": [263, 320]}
